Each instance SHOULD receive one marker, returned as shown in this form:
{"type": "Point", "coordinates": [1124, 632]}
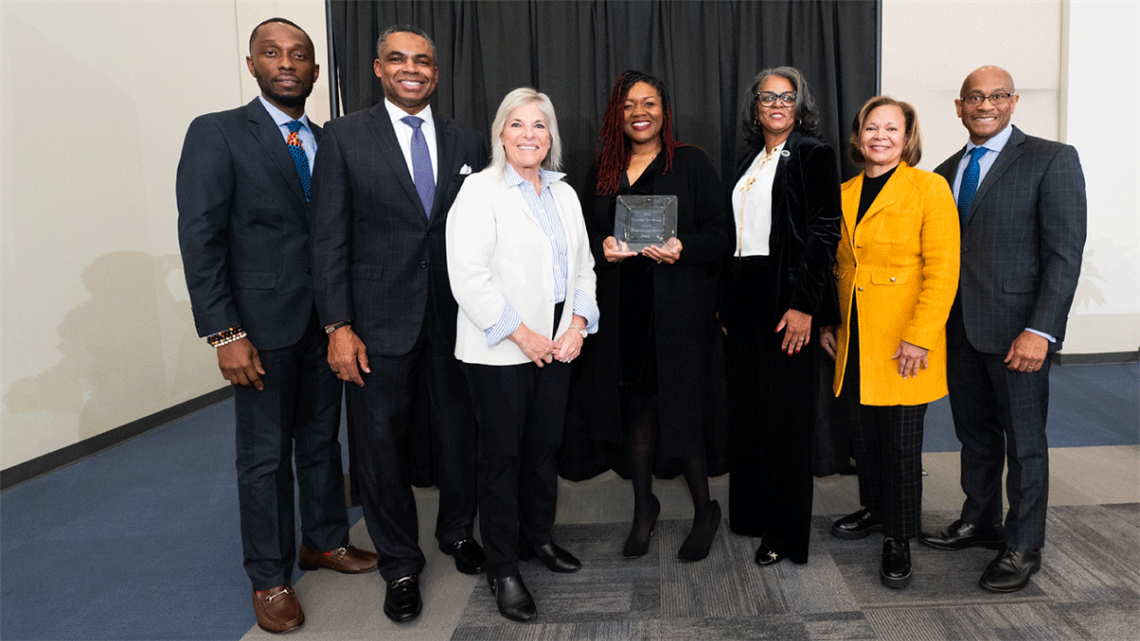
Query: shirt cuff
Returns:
{"type": "Point", "coordinates": [585, 307]}
{"type": "Point", "coordinates": [509, 321]}
{"type": "Point", "coordinates": [1041, 334]}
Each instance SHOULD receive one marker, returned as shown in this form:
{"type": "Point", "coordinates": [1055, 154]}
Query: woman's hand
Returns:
{"type": "Point", "coordinates": [911, 358]}
{"type": "Point", "coordinates": [569, 345]}
{"type": "Point", "coordinates": [827, 340]}
{"type": "Point", "coordinates": [615, 252]}
{"type": "Point", "coordinates": [668, 253]}
{"type": "Point", "coordinates": [538, 348]}
{"type": "Point", "coordinates": [799, 331]}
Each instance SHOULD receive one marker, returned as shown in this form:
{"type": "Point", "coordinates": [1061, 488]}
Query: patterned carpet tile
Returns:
{"type": "Point", "coordinates": [1088, 588]}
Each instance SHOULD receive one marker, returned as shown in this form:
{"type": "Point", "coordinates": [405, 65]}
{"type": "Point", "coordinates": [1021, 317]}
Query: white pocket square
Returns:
{"type": "Point", "coordinates": [464, 170]}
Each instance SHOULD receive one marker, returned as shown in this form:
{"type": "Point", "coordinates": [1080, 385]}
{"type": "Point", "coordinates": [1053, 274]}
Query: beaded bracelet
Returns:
{"type": "Point", "coordinates": [226, 336]}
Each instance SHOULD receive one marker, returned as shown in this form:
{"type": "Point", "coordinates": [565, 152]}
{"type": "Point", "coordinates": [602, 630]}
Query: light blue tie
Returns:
{"type": "Point", "coordinates": [969, 185]}
{"type": "Point", "coordinates": [421, 163]}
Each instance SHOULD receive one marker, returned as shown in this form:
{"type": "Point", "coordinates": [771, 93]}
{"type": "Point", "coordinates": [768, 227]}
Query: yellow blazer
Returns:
{"type": "Point", "coordinates": [902, 262]}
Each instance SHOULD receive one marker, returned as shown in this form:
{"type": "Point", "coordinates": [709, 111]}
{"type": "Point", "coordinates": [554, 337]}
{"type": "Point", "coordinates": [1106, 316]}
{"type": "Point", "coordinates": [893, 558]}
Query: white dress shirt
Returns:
{"type": "Point", "coordinates": [404, 135]}
{"type": "Point", "coordinates": [752, 204]}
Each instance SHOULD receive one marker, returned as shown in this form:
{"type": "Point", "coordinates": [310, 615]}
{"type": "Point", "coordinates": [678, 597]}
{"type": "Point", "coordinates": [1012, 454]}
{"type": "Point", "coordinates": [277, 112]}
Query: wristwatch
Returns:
{"type": "Point", "coordinates": [581, 330]}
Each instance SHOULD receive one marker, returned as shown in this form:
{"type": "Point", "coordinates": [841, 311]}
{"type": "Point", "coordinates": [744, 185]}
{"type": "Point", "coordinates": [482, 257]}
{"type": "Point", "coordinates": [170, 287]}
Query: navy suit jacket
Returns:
{"type": "Point", "coordinates": [243, 228]}
{"type": "Point", "coordinates": [1022, 246]}
{"type": "Point", "coordinates": [375, 250]}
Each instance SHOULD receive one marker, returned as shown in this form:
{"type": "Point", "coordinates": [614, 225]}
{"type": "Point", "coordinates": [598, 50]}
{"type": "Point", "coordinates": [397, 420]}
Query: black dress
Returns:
{"type": "Point", "coordinates": [773, 396]}
{"type": "Point", "coordinates": [658, 330]}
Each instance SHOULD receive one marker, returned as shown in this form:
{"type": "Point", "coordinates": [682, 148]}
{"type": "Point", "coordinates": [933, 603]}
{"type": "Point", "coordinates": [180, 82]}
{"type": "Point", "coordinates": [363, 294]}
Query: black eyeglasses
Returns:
{"type": "Point", "coordinates": [998, 99]}
{"type": "Point", "coordinates": [767, 98]}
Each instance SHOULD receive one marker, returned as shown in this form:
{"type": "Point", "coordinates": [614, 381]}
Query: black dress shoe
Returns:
{"type": "Point", "coordinates": [961, 535]}
{"type": "Point", "coordinates": [468, 555]}
{"type": "Point", "coordinates": [402, 603]}
{"type": "Point", "coordinates": [1011, 570]}
{"type": "Point", "coordinates": [700, 539]}
{"type": "Point", "coordinates": [555, 558]}
{"type": "Point", "coordinates": [766, 555]}
{"type": "Point", "coordinates": [634, 548]}
{"type": "Point", "coordinates": [859, 525]}
{"type": "Point", "coordinates": [513, 599]}
{"type": "Point", "coordinates": [895, 569]}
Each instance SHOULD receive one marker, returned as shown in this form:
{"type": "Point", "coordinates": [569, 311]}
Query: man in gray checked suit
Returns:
{"type": "Point", "coordinates": [1021, 201]}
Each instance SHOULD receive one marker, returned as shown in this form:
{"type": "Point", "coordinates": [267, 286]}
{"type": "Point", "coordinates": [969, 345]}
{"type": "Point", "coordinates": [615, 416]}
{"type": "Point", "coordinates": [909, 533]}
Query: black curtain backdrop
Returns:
{"type": "Point", "coordinates": [706, 53]}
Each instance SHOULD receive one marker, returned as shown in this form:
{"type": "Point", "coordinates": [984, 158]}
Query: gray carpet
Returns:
{"type": "Point", "coordinates": [1088, 588]}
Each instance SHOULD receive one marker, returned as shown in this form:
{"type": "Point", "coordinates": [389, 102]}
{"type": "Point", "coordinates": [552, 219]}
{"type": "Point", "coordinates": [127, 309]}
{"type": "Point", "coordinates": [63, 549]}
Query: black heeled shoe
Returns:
{"type": "Point", "coordinates": [700, 540]}
{"type": "Point", "coordinates": [634, 548]}
{"type": "Point", "coordinates": [512, 597]}
{"type": "Point", "coordinates": [552, 556]}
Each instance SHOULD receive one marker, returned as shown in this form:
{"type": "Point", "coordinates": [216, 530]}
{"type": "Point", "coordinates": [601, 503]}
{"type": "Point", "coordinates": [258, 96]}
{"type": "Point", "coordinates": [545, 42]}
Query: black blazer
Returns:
{"type": "Point", "coordinates": [806, 214]}
{"type": "Point", "coordinates": [243, 228]}
{"type": "Point", "coordinates": [375, 252]}
{"type": "Point", "coordinates": [1022, 246]}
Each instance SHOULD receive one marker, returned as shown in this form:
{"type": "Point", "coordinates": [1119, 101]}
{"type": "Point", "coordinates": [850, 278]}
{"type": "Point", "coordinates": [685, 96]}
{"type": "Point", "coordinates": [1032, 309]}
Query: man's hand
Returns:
{"type": "Point", "coordinates": [799, 331]}
{"type": "Point", "coordinates": [911, 358]}
{"type": "Point", "coordinates": [346, 350]}
{"type": "Point", "coordinates": [539, 349]}
{"type": "Point", "coordinates": [1027, 353]}
{"type": "Point", "coordinates": [240, 364]}
{"type": "Point", "coordinates": [667, 253]}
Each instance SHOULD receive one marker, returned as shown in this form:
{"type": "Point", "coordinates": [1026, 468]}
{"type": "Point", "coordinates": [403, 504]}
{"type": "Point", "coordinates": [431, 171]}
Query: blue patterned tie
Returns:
{"type": "Point", "coordinates": [300, 159]}
{"type": "Point", "coordinates": [969, 185]}
{"type": "Point", "coordinates": [421, 163]}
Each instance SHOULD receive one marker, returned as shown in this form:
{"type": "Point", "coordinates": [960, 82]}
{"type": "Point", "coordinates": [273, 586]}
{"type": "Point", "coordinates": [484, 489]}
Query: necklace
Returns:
{"type": "Point", "coordinates": [747, 187]}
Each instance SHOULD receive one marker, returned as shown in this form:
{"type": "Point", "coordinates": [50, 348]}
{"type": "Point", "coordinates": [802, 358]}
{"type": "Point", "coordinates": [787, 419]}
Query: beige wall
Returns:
{"type": "Point", "coordinates": [1047, 45]}
{"type": "Point", "coordinates": [94, 321]}
{"type": "Point", "coordinates": [95, 325]}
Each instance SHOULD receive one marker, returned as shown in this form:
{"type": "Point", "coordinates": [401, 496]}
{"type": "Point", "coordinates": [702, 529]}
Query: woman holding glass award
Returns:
{"type": "Point", "coordinates": [777, 291]}
{"type": "Point", "coordinates": [657, 354]}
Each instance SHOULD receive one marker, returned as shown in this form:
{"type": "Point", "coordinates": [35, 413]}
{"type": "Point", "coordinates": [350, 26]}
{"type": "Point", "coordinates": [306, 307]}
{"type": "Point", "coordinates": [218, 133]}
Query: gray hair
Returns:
{"type": "Point", "coordinates": [807, 117]}
{"type": "Point", "coordinates": [512, 101]}
{"type": "Point", "coordinates": [404, 28]}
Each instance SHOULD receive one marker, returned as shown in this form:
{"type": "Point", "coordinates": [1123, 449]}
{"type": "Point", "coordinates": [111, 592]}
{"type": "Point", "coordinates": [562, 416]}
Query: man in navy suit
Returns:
{"type": "Point", "coordinates": [385, 179]}
{"type": "Point", "coordinates": [1021, 202]}
{"type": "Point", "coordinates": [243, 191]}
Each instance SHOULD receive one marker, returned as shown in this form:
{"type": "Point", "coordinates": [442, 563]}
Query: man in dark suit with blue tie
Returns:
{"type": "Point", "coordinates": [385, 179]}
{"type": "Point", "coordinates": [1021, 202]}
{"type": "Point", "coordinates": [243, 187]}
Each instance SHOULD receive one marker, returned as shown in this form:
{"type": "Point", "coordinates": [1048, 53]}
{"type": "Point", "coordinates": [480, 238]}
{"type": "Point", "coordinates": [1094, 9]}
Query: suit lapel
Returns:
{"type": "Point", "coordinates": [1010, 153]}
{"type": "Point", "coordinates": [850, 206]}
{"type": "Point", "coordinates": [445, 155]}
{"type": "Point", "coordinates": [780, 181]}
{"type": "Point", "coordinates": [267, 132]}
{"type": "Point", "coordinates": [393, 155]}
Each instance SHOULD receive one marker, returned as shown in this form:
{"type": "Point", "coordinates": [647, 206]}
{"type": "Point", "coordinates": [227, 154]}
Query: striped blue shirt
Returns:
{"type": "Point", "coordinates": [546, 211]}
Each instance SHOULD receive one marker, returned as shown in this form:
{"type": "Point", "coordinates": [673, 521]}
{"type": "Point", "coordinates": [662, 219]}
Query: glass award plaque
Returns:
{"type": "Point", "coordinates": [641, 221]}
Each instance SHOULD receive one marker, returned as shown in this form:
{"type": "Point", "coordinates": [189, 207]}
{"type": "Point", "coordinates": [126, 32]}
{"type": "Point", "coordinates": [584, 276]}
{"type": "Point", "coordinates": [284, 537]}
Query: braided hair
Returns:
{"type": "Point", "coordinates": [614, 148]}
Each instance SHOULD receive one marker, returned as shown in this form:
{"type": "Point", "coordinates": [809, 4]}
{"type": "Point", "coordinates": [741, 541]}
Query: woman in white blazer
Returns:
{"type": "Point", "coordinates": [523, 275]}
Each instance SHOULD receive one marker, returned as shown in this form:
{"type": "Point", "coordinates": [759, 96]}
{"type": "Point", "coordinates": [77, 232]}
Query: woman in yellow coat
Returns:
{"type": "Point", "coordinates": [897, 271]}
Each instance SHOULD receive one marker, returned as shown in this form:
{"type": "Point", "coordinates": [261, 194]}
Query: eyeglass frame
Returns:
{"type": "Point", "coordinates": [780, 97]}
{"type": "Point", "coordinates": [997, 99]}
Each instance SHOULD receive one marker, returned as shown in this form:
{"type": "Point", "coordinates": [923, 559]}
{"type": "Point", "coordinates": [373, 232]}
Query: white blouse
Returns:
{"type": "Point", "coordinates": [752, 204]}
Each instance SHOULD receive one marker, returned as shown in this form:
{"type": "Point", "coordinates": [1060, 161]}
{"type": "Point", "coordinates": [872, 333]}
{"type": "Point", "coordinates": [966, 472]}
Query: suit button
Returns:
{"type": "Point", "coordinates": [423, 265]}
{"type": "Point", "coordinates": [858, 247]}
{"type": "Point", "coordinates": [860, 289]}
{"type": "Point", "coordinates": [892, 279]}
{"type": "Point", "coordinates": [309, 271]}
{"type": "Point", "coordinates": [429, 233]}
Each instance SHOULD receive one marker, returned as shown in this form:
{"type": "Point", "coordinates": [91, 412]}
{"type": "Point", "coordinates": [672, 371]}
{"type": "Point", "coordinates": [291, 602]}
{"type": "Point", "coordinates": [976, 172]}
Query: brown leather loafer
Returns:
{"type": "Point", "coordinates": [346, 560]}
{"type": "Point", "coordinates": [277, 609]}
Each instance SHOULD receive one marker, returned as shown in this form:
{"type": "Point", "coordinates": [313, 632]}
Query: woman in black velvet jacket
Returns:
{"type": "Point", "coordinates": [777, 290]}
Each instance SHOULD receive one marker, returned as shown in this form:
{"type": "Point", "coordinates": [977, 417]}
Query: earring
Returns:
{"type": "Point", "coordinates": [799, 122]}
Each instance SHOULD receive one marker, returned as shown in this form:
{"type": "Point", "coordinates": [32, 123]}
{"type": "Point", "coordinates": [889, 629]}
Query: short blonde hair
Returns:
{"type": "Point", "coordinates": [912, 150]}
{"type": "Point", "coordinates": [512, 101]}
